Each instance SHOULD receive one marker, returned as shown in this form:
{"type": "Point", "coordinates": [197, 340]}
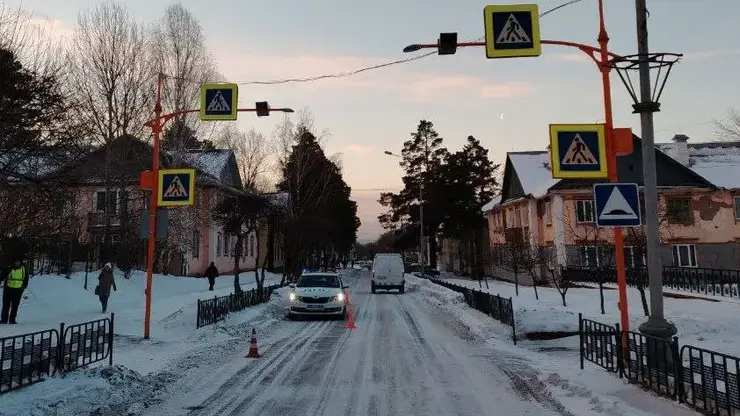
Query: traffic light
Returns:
{"type": "Point", "coordinates": [447, 43]}
{"type": "Point", "coordinates": [263, 109]}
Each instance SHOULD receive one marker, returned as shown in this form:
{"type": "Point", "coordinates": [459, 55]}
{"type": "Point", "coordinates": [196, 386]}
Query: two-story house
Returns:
{"type": "Point", "coordinates": [109, 204]}
{"type": "Point", "coordinates": [698, 226]}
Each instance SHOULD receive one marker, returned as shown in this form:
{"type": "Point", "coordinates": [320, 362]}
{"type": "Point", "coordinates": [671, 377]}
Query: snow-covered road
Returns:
{"type": "Point", "coordinates": [405, 358]}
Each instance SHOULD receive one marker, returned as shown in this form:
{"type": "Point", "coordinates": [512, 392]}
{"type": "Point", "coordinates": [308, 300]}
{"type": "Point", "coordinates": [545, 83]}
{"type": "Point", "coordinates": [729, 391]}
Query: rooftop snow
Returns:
{"type": "Point", "coordinates": [211, 162]}
{"type": "Point", "coordinates": [717, 162]}
{"type": "Point", "coordinates": [533, 170]}
{"type": "Point", "coordinates": [489, 206]}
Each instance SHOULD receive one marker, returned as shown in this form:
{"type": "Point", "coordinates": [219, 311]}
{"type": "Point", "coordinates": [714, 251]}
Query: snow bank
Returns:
{"type": "Point", "coordinates": [556, 377]}
{"type": "Point", "coordinates": [709, 322]}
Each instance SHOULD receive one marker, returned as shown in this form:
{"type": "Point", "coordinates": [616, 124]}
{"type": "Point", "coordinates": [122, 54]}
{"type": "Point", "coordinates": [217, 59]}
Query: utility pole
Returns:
{"type": "Point", "coordinates": [656, 325]}
{"type": "Point", "coordinates": [422, 246]}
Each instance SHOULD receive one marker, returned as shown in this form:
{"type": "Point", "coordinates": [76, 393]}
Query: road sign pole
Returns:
{"type": "Point", "coordinates": [656, 325]}
{"type": "Point", "coordinates": [605, 68]}
{"type": "Point", "coordinates": [156, 130]}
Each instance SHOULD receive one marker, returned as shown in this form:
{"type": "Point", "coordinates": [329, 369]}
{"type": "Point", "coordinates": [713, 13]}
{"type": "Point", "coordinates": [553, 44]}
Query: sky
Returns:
{"type": "Point", "coordinates": [506, 103]}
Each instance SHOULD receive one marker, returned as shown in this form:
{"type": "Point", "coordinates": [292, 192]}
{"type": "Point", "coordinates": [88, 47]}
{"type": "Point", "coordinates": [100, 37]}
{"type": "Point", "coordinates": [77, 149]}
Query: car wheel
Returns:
{"type": "Point", "coordinates": [344, 314]}
{"type": "Point", "coordinates": [290, 317]}
{"type": "Point", "coordinates": [402, 289]}
{"type": "Point", "coordinates": [372, 288]}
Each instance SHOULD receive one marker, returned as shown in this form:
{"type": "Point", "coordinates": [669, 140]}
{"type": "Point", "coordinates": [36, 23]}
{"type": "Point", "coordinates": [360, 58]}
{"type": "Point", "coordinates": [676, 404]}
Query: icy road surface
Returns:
{"type": "Point", "coordinates": [404, 358]}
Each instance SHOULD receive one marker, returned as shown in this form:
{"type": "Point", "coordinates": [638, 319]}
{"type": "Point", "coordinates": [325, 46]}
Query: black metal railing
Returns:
{"type": "Point", "coordinates": [29, 358]}
{"type": "Point", "coordinates": [720, 282]}
{"type": "Point", "coordinates": [498, 308]}
{"type": "Point", "coordinates": [706, 380]}
{"type": "Point", "coordinates": [214, 310]}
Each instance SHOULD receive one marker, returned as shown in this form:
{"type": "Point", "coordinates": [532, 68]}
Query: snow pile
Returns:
{"type": "Point", "coordinates": [708, 322]}
{"type": "Point", "coordinates": [441, 295]}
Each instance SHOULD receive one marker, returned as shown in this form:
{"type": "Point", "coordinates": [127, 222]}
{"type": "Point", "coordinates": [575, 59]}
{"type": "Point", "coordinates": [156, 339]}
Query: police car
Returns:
{"type": "Point", "coordinates": [317, 294]}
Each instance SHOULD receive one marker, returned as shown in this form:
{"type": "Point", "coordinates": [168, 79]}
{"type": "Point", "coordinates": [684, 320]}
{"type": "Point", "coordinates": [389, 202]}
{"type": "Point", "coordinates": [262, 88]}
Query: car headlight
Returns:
{"type": "Point", "coordinates": [292, 296]}
{"type": "Point", "coordinates": [340, 297]}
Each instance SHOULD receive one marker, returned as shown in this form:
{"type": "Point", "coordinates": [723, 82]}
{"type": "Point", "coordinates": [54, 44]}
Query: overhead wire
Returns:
{"type": "Point", "coordinates": [350, 73]}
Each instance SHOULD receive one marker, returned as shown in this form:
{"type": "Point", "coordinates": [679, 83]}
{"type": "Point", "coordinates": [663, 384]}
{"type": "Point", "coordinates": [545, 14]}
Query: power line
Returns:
{"type": "Point", "coordinates": [376, 66]}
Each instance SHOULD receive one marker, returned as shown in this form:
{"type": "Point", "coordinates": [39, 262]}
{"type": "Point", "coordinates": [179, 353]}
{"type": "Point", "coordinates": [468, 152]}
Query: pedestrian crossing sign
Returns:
{"type": "Point", "coordinates": [578, 151]}
{"type": "Point", "coordinates": [176, 187]}
{"type": "Point", "coordinates": [512, 31]}
{"type": "Point", "coordinates": [218, 101]}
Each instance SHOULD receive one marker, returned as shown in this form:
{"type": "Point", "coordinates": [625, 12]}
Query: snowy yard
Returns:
{"type": "Point", "coordinates": [710, 322]}
{"type": "Point", "coordinates": [51, 299]}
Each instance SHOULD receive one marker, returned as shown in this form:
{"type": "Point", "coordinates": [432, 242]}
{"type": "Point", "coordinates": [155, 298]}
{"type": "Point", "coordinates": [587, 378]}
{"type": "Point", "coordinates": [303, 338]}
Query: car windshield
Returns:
{"type": "Point", "coordinates": [324, 280]}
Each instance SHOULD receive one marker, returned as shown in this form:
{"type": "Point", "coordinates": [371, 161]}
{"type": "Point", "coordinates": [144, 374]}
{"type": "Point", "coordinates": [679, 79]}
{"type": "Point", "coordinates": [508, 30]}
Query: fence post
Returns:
{"type": "Point", "coordinates": [60, 350]}
{"type": "Point", "coordinates": [678, 371]}
{"type": "Point", "coordinates": [513, 321]}
{"type": "Point", "coordinates": [197, 316]}
{"type": "Point", "coordinates": [580, 337]}
{"type": "Point", "coordinates": [110, 339]}
{"type": "Point", "coordinates": [620, 350]}
{"type": "Point", "coordinates": [499, 307]}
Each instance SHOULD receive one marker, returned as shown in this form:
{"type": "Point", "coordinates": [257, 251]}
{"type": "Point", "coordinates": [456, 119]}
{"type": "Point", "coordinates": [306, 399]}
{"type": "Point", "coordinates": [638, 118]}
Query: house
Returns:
{"type": "Point", "coordinates": [109, 206]}
{"type": "Point", "coordinates": [697, 216]}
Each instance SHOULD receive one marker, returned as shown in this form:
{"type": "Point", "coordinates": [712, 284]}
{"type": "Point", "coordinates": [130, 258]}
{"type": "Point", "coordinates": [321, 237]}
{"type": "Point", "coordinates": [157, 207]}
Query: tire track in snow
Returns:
{"type": "Point", "coordinates": [234, 388]}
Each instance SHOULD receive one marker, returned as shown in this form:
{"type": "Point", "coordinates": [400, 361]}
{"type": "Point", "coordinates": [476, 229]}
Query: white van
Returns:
{"type": "Point", "coordinates": [388, 272]}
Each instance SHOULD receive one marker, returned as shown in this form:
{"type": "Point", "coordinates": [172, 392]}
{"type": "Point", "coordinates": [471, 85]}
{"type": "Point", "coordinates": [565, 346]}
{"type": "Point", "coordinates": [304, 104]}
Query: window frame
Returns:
{"type": "Point", "coordinates": [548, 213]}
{"type": "Point", "coordinates": [691, 253]}
{"type": "Point", "coordinates": [585, 203]}
{"type": "Point", "coordinates": [736, 203]}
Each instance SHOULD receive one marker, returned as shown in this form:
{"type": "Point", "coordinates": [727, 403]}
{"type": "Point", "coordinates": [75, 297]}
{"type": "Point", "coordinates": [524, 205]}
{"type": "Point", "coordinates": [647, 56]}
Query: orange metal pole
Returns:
{"type": "Point", "coordinates": [156, 130]}
{"type": "Point", "coordinates": [612, 164]}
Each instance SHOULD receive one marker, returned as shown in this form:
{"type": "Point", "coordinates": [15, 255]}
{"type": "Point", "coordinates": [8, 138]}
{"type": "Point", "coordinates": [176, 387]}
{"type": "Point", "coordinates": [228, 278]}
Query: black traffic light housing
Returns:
{"type": "Point", "coordinates": [263, 109]}
{"type": "Point", "coordinates": [447, 43]}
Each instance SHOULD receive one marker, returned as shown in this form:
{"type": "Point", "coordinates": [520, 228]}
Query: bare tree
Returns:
{"type": "Point", "coordinates": [254, 155]}
{"type": "Point", "coordinates": [179, 51]}
{"type": "Point", "coordinates": [110, 80]}
{"type": "Point", "coordinates": [31, 41]}
{"type": "Point", "coordinates": [728, 129]}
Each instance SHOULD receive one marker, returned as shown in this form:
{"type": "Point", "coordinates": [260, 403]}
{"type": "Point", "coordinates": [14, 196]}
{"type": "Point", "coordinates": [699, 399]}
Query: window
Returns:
{"type": "Point", "coordinates": [251, 246]}
{"type": "Point", "coordinates": [634, 257]}
{"type": "Point", "coordinates": [590, 256]}
{"type": "Point", "coordinates": [196, 244]}
{"type": "Point", "coordinates": [737, 207]}
{"type": "Point", "coordinates": [63, 207]}
{"type": "Point", "coordinates": [585, 211]}
{"type": "Point", "coordinates": [113, 201]}
{"type": "Point", "coordinates": [227, 247]}
{"type": "Point", "coordinates": [684, 255]}
{"type": "Point", "coordinates": [524, 212]}
{"type": "Point", "coordinates": [244, 249]}
{"type": "Point", "coordinates": [548, 213]}
{"type": "Point", "coordinates": [218, 245]}
{"type": "Point", "coordinates": [678, 211]}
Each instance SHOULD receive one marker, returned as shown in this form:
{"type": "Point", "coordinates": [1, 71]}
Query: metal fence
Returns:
{"type": "Point", "coordinates": [498, 308]}
{"type": "Point", "coordinates": [29, 358]}
{"type": "Point", "coordinates": [706, 380]}
{"type": "Point", "coordinates": [213, 310]}
{"type": "Point", "coordinates": [720, 282]}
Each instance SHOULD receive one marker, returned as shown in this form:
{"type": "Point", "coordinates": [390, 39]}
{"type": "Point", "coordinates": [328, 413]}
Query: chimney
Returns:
{"type": "Point", "coordinates": [679, 150]}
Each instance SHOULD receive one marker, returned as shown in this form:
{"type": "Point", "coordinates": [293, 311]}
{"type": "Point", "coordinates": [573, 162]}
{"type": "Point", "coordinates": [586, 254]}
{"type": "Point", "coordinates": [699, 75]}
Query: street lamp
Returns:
{"type": "Point", "coordinates": [422, 248]}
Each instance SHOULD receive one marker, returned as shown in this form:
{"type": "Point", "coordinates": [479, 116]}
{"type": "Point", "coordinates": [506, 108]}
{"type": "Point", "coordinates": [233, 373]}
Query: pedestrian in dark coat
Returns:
{"type": "Point", "coordinates": [105, 282]}
{"type": "Point", "coordinates": [15, 282]}
{"type": "Point", "coordinates": [211, 274]}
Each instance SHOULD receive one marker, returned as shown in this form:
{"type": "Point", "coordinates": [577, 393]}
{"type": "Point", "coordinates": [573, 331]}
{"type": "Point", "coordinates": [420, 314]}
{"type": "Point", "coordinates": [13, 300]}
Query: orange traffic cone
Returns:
{"type": "Point", "coordinates": [351, 319]}
{"type": "Point", "coordinates": [253, 352]}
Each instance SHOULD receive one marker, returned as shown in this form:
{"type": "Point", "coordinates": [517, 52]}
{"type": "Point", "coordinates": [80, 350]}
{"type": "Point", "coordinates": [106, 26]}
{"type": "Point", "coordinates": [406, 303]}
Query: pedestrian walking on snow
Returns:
{"type": "Point", "coordinates": [105, 282]}
{"type": "Point", "coordinates": [211, 274]}
{"type": "Point", "coordinates": [15, 283]}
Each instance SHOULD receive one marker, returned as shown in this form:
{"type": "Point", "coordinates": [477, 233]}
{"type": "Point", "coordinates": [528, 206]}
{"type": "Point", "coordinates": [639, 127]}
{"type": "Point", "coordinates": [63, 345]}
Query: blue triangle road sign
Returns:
{"type": "Point", "coordinates": [617, 205]}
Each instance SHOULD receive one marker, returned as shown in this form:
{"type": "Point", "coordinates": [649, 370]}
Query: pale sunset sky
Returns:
{"type": "Point", "coordinates": [464, 94]}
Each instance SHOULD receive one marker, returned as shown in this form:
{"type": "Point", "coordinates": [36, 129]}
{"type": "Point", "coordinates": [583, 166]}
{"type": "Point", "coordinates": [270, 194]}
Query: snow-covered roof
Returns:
{"type": "Point", "coordinates": [717, 162]}
{"type": "Point", "coordinates": [489, 206]}
{"type": "Point", "coordinates": [211, 162]}
{"type": "Point", "coordinates": [533, 170]}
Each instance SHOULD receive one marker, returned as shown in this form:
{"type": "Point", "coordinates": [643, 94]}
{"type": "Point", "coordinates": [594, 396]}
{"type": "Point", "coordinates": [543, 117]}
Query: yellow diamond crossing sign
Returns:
{"type": "Point", "coordinates": [176, 187]}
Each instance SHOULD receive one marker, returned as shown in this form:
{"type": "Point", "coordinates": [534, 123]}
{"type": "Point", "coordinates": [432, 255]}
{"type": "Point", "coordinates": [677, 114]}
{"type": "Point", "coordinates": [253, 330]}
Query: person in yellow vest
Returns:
{"type": "Point", "coordinates": [16, 282]}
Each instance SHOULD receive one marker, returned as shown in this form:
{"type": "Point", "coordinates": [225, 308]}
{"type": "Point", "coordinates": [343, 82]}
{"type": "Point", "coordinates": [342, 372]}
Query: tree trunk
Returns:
{"type": "Point", "coordinates": [239, 244]}
{"type": "Point", "coordinates": [432, 250]}
{"type": "Point", "coordinates": [534, 285]}
{"type": "Point", "coordinates": [516, 282]}
{"type": "Point", "coordinates": [601, 295]}
{"type": "Point", "coordinates": [562, 295]}
{"type": "Point", "coordinates": [260, 282]}
{"type": "Point", "coordinates": [643, 298]}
